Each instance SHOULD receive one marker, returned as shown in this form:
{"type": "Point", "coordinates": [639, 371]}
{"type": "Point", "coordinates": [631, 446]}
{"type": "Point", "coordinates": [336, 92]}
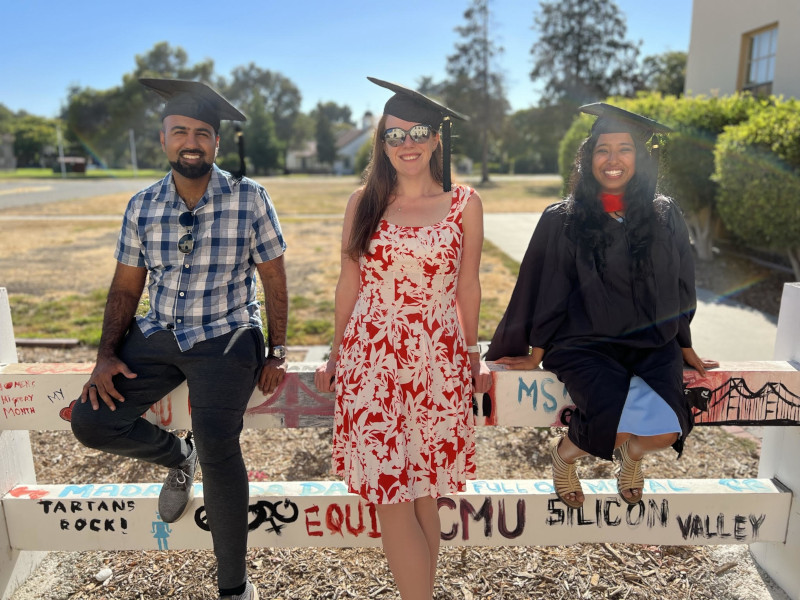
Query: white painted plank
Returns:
{"type": "Point", "coordinates": [39, 396]}
{"type": "Point", "coordinates": [490, 513]}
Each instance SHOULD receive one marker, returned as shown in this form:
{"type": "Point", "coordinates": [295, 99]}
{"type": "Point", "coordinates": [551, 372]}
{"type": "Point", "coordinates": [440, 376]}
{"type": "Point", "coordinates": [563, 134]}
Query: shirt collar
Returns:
{"type": "Point", "coordinates": [218, 185]}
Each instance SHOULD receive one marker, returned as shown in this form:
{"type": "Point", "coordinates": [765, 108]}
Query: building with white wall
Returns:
{"type": "Point", "coordinates": [739, 45]}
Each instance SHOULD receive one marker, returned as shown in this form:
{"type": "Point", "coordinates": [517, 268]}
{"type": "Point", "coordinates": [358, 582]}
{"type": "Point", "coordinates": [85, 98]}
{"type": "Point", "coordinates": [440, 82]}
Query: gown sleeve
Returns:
{"type": "Point", "coordinates": [538, 302]}
{"type": "Point", "coordinates": [687, 295]}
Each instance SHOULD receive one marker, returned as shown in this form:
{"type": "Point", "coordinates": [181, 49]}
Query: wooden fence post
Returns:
{"type": "Point", "coordinates": [16, 465]}
{"type": "Point", "coordinates": [779, 451]}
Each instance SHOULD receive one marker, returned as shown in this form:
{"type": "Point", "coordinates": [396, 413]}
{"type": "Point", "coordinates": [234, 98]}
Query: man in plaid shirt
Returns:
{"type": "Point", "coordinates": [200, 234]}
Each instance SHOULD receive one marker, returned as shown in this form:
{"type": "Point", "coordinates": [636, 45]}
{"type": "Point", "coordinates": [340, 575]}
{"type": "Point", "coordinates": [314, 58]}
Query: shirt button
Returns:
{"type": "Point", "coordinates": [182, 294]}
{"type": "Point", "coordinates": [180, 320]}
{"type": "Point", "coordinates": [185, 266]}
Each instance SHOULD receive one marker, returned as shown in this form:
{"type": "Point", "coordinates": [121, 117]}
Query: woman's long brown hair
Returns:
{"type": "Point", "coordinates": [379, 182]}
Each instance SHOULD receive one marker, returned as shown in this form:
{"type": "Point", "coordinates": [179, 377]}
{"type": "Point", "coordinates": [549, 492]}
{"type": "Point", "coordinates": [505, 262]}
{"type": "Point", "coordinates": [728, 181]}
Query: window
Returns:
{"type": "Point", "coordinates": [758, 66]}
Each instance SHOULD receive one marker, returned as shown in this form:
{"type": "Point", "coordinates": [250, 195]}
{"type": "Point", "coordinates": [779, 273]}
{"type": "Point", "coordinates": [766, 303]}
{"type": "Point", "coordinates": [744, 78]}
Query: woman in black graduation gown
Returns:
{"type": "Point", "coordinates": [604, 298]}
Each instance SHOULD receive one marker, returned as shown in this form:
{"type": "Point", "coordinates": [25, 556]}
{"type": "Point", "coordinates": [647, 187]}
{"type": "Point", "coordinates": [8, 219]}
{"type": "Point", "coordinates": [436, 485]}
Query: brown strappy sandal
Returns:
{"type": "Point", "coordinates": [629, 475]}
{"type": "Point", "coordinates": [565, 478]}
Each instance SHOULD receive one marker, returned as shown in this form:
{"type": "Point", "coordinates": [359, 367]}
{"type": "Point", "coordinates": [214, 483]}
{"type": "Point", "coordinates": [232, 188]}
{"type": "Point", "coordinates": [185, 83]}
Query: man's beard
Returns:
{"type": "Point", "coordinates": [191, 171]}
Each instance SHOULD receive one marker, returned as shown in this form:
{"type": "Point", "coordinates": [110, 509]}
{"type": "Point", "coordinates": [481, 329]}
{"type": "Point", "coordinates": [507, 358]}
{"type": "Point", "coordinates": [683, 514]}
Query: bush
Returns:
{"type": "Point", "coordinates": [689, 159]}
{"type": "Point", "coordinates": [758, 172]}
{"type": "Point", "coordinates": [568, 148]}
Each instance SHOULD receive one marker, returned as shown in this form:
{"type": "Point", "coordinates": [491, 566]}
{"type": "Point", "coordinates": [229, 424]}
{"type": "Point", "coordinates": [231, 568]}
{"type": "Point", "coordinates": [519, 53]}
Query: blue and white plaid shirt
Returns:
{"type": "Point", "coordinates": [211, 290]}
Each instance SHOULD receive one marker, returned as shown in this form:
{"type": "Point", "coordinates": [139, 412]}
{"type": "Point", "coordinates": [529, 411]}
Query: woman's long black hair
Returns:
{"type": "Point", "coordinates": [642, 208]}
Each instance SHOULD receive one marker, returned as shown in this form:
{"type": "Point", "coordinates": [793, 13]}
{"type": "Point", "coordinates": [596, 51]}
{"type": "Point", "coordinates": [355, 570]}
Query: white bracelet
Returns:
{"type": "Point", "coordinates": [475, 348]}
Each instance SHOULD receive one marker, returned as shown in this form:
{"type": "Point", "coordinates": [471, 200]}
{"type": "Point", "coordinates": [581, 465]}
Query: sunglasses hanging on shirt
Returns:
{"type": "Point", "coordinates": [186, 241]}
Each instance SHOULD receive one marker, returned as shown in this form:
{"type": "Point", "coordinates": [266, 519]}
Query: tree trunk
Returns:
{"type": "Point", "coordinates": [700, 226]}
{"type": "Point", "coordinates": [485, 157]}
{"type": "Point", "coordinates": [794, 259]}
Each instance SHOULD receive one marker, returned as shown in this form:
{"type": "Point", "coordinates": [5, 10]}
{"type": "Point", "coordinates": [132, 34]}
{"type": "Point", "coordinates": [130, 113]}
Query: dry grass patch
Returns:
{"type": "Point", "coordinates": [71, 261]}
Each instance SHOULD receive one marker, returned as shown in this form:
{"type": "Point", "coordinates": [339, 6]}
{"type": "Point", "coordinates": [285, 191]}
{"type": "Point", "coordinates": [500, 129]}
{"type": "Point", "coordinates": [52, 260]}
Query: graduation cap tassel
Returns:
{"type": "Point", "coordinates": [446, 154]}
{"type": "Point", "coordinates": [242, 166]}
{"type": "Point", "coordinates": [655, 154]}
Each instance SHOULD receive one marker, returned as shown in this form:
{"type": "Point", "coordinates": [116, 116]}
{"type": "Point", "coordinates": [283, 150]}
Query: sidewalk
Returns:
{"type": "Point", "coordinates": [721, 329]}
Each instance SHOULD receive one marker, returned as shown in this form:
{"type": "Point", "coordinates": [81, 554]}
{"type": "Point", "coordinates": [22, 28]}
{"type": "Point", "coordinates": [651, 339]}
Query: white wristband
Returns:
{"type": "Point", "coordinates": [475, 348]}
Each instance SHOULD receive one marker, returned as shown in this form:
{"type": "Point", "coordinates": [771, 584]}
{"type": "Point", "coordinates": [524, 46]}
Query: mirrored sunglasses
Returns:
{"type": "Point", "coordinates": [395, 136]}
{"type": "Point", "coordinates": [186, 242]}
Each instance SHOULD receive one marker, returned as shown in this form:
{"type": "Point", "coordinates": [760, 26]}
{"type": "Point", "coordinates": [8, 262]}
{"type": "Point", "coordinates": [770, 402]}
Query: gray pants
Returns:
{"type": "Point", "coordinates": [221, 374]}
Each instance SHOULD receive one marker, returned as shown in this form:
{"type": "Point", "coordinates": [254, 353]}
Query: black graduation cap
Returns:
{"type": "Point", "coordinates": [613, 119]}
{"type": "Point", "coordinates": [411, 105]}
{"type": "Point", "coordinates": [194, 99]}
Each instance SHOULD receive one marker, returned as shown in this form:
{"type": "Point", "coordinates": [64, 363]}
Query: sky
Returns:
{"type": "Point", "coordinates": [325, 47]}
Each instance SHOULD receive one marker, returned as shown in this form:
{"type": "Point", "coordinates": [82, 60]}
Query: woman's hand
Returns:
{"type": "Point", "coordinates": [325, 376]}
{"type": "Point", "coordinates": [523, 363]}
{"type": "Point", "coordinates": [481, 377]}
{"type": "Point", "coordinates": [698, 364]}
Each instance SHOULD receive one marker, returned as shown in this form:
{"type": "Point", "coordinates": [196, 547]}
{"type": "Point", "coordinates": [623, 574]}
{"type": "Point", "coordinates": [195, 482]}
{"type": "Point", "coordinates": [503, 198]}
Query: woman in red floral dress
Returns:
{"type": "Point", "coordinates": [404, 354]}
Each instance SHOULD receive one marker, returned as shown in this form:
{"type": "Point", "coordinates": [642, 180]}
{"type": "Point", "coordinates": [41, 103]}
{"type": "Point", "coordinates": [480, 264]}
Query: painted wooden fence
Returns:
{"type": "Point", "coordinates": [313, 513]}
{"type": "Point", "coordinates": [118, 515]}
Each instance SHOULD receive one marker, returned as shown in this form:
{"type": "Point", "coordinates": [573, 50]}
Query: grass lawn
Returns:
{"type": "Point", "coordinates": [57, 272]}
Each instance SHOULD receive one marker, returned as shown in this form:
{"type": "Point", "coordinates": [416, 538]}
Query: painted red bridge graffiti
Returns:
{"type": "Point", "coordinates": [722, 398]}
{"type": "Point", "coordinates": [298, 404]}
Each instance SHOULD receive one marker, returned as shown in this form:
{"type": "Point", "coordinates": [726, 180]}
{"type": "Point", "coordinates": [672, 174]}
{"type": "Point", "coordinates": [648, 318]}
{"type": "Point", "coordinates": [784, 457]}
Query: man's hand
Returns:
{"type": "Point", "coordinates": [101, 383]}
{"type": "Point", "coordinates": [272, 374]}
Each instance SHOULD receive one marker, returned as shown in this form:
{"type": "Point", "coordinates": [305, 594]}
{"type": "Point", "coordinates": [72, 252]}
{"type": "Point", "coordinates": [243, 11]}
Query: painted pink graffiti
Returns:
{"type": "Point", "coordinates": [23, 490]}
{"type": "Point", "coordinates": [58, 368]}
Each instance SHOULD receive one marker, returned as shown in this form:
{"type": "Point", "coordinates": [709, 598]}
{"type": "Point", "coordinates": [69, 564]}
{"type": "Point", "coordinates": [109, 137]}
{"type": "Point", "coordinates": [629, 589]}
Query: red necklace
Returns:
{"type": "Point", "coordinates": [612, 202]}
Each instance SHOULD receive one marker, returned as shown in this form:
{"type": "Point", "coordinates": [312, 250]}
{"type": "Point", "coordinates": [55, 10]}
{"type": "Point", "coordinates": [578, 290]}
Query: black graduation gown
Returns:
{"type": "Point", "coordinates": [598, 331]}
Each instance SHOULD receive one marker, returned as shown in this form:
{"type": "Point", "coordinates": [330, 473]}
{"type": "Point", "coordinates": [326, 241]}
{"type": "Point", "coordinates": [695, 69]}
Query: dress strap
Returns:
{"type": "Point", "coordinates": [459, 200]}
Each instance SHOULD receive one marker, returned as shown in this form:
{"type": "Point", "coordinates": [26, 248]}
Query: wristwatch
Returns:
{"type": "Point", "coordinates": [278, 352]}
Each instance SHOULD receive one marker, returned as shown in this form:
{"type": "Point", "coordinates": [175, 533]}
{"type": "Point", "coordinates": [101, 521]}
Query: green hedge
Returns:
{"type": "Point", "coordinates": [758, 172]}
{"type": "Point", "coordinates": [688, 154]}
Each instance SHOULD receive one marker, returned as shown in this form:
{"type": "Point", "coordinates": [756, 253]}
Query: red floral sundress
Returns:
{"type": "Point", "coordinates": [403, 427]}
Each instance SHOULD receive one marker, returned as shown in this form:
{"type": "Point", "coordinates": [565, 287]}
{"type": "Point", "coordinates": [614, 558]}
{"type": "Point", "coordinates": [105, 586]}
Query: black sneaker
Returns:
{"type": "Point", "coordinates": [178, 490]}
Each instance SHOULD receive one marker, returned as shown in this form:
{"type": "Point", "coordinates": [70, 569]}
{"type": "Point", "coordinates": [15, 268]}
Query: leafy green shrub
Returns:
{"type": "Point", "coordinates": [688, 158]}
{"type": "Point", "coordinates": [569, 145]}
{"type": "Point", "coordinates": [758, 172]}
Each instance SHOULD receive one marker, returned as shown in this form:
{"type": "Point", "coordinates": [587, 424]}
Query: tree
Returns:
{"type": "Point", "coordinates": [326, 140]}
{"type": "Point", "coordinates": [257, 90]}
{"type": "Point", "coordinates": [35, 139]}
{"type": "Point", "coordinates": [6, 118]}
{"type": "Point", "coordinates": [337, 115]}
{"type": "Point", "coordinates": [582, 54]}
{"type": "Point", "coordinates": [100, 120]}
{"type": "Point", "coordinates": [531, 138]}
{"type": "Point", "coordinates": [261, 142]}
{"type": "Point", "coordinates": [476, 86]}
{"type": "Point", "coordinates": [665, 73]}
{"type": "Point", "coordinates": [304, 130]}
